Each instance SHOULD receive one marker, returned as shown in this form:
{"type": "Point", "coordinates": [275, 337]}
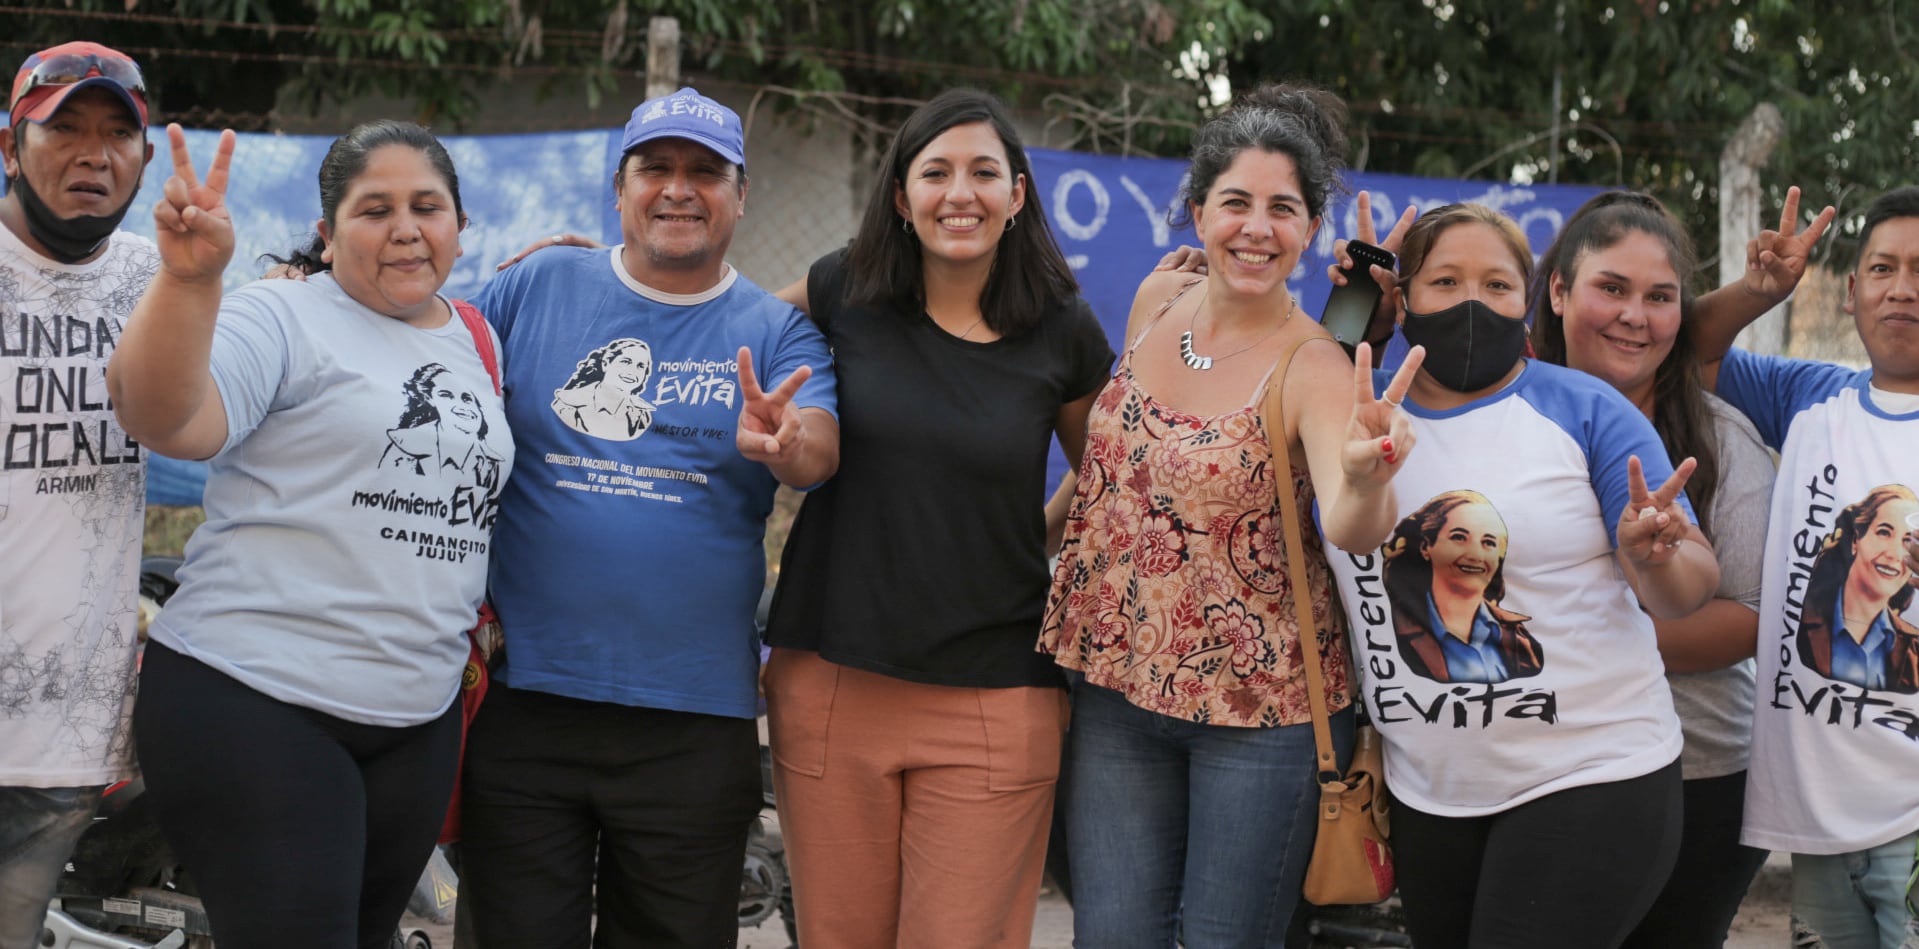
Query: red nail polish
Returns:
{"type": "Point", "coordinates": [1386, 445]}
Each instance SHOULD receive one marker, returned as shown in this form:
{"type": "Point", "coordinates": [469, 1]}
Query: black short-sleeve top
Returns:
{"type": "Point", "coordinates": [923, 558]}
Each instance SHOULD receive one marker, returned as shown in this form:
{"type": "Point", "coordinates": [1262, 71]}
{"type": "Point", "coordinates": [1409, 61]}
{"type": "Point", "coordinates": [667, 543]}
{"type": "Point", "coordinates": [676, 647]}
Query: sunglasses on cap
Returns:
{"type": "Point", "coordinates": [69, 68]}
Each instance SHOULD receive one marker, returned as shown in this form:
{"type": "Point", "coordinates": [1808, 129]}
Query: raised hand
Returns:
{"type": "Point", "coordinates": [1341, 260]}
{"type": "Point", "coordinates": [770, 430]}
{"type": "Point", "coordinates": [1653, 523]}
{"type": "Point", "coordinates": [1380, 435]}
{"type": "Point", "coordinates": [1776, 259]}
{"type": "Point", "coordinates": [192, 227]}
{"type": "Point", "coordinates": [557, 240]}
{"type": "Point", "coordinates": [1380, 327]}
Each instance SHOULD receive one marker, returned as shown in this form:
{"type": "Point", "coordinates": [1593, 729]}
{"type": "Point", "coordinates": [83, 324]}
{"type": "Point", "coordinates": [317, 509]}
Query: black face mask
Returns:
{"type": "Point", "coordinates": [68, 240]}
{"type": "Point", "coordinates": [1468, 346]}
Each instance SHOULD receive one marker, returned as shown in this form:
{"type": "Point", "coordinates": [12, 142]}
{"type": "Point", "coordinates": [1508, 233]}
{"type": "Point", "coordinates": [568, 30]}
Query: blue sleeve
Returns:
{"type": "Point", "coordinates": [1618, 432]}
{"type": "Point", "coordinates": [800, 343]}
{"type": "Point", "coordinates": [1609, 429]}
{"type": "Point", "coordinates": [1771, 390]}
{"type": "Point", "coordinates": [250, 356]}
{"type": "Point", "coordinates": [496, 301]}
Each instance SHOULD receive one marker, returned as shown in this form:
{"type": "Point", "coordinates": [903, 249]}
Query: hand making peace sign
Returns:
{"type": "Point", "coordinates": [192, 228]}
{"type": "Point", "coordinates": [770, 429]}
{"type": "Point", "coordinates": [1775, 260]}
{"type": "Point", "coordinates": [1380, 435]}
{"type": "Point", "coordinates": [1653, 523]}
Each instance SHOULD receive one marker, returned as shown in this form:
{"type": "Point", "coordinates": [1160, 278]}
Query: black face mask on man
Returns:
{"type": "Point", "coordinates": [69, 240]}
{"type": "Point", "coordinates": [1468, 345]}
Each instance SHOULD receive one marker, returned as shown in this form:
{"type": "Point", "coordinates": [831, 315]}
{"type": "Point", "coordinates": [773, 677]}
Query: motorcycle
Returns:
{"type": "Point", "coordinates": [765, 886]}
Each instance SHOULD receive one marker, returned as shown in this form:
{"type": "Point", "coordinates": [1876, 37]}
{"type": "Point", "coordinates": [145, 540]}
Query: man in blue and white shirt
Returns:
{"type": "Point", "coordinates": [1836, 728]}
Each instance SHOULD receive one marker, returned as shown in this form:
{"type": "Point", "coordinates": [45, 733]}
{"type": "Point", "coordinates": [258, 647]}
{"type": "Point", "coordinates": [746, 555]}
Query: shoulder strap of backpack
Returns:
{"type": "Point", "coordinates": [482, 340]}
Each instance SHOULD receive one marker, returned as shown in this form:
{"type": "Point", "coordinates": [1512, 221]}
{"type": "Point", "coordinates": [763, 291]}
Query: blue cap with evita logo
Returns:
{"type": "Point", "coordinates": [687, 114]}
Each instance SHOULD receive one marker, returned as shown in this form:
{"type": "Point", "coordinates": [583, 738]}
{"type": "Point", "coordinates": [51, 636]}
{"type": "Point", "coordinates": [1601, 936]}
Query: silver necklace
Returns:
{"type": "Point", "coordinates": [970, 329]}
{"type": "Point", "coordinates": [1195, 361]}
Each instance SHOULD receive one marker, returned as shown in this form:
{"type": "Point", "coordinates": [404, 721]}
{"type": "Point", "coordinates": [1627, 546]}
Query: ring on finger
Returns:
{"type": "Point", "coordinates": [559, 238]}
{"type": "Point", "coordinates": [1391, 404]}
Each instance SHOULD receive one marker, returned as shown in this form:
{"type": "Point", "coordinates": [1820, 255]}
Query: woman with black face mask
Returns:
{"type": "Point", "coordinates": [1537, 788]}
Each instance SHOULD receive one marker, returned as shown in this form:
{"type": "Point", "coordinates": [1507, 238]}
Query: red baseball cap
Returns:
{"type": "Point", "coordinates": [49, 76]}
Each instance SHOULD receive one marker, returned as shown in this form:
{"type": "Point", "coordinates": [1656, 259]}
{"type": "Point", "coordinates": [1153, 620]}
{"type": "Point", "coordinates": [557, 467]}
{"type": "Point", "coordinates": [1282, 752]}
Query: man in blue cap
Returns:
{"type": "Point", "coordinates": [72, 484]}
{"type": "Point", "coordinates": [614, 766]}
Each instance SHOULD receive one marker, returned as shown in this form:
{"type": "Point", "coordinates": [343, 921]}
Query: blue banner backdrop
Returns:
{"type": "Point", "coordinates": [1109, 214]}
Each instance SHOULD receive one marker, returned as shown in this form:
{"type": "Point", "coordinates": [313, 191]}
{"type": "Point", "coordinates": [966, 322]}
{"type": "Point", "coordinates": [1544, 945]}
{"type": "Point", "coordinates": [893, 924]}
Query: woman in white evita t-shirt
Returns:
{"type": "Point", "coordinates": [297, 721]}
{"type": "Point", "coordinates": [1531, 744]}
{"type": "Point", "coordinates": [1611, 300]}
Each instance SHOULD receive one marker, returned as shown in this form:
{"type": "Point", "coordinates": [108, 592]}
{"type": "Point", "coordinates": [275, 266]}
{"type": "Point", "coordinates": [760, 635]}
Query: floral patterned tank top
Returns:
{"type": "Point", "coordinates": [1172, 586]}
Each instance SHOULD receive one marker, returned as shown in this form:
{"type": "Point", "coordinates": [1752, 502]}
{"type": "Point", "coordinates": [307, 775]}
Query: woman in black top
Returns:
{"type": "Point", "coordinates": [916, 734]}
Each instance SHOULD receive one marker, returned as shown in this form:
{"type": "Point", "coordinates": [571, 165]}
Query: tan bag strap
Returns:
{"type": "Point", "coordinates": [1275, 419]}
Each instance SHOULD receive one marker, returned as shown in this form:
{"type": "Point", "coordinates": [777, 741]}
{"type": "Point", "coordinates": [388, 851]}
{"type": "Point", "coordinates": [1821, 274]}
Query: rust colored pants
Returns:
{"type": "Point", "coordinates": [914, 815]}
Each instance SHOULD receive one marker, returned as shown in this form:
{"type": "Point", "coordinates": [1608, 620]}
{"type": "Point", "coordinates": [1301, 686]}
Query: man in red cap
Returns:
{"type": "Point", "coordinates": [72, 484]}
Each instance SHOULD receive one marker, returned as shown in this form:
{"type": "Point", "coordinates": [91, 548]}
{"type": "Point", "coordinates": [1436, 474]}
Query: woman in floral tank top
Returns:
{"type": "Point", "coordinates": [1190, 812]}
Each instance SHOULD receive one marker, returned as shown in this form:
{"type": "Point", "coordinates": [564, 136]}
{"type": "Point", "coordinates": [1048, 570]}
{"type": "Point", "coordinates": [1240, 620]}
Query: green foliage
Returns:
{"type": "Point", "coordinates": [440, 54]}
{"type": "Point", "coordinates": [1651, 90]}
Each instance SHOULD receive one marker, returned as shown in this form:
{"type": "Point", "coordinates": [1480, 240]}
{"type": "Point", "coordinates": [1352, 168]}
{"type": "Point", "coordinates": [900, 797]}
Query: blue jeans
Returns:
{"type": "Point", "coordinates": [1179, 830]}
{"type": "Point", "coordinates": [1857, 900]}
{"type": "Point", "coordinates": [38, 828]}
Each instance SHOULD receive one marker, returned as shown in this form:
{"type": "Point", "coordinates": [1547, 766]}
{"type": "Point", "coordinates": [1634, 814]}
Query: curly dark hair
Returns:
{"type": "Point", "coordinates": [1303, 122]}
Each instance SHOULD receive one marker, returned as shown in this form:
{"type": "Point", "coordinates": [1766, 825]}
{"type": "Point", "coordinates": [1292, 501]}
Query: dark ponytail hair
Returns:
{"type": "Point", "coordinates": [1305, 123]}
{"type": "Point", "coordinates": [1030, 277]}
{"type": "Point", "coordinates": [1679, 410]}
{"type": "Point", "coordinates": [346, 160]}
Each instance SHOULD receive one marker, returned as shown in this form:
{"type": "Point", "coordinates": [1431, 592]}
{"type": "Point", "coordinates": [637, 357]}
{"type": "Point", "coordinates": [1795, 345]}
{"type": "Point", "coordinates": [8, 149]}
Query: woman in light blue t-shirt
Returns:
{"type": "Point", "coordinates": [297, 720]}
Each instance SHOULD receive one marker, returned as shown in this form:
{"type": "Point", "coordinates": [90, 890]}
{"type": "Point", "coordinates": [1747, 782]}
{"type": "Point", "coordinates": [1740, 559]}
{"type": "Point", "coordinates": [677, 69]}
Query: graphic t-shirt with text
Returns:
{"type": "Point", "coordinates": [630, 538]}
{"type": "Point", "coordinates": [350, 514]}
{"type": "Point", "coordinates": [1835, 736]}
{"type": "Point", "coordinates": [1503, 656]}
{"type": "Point", "coordinates": [72, 492]}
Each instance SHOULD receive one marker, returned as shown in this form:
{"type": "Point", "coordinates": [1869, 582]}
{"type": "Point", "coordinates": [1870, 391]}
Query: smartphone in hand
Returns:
{"type": "Point", "coordinates": [1349, 311]}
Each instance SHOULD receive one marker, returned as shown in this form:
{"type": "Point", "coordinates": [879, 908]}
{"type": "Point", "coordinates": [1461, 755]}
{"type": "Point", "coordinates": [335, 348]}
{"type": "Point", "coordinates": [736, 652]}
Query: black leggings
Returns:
{"type": "Point", "coordinates": [298, 829]}
{"type": "Point", "coordinates": [1714, 870]}
{"type": "Point", "coordinates": [1572, 870]}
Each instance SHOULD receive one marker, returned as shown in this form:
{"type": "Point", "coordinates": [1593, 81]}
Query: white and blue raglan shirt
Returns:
{"type": "Point", "coordinates": [1578, 695]}
{"type": "Point", "coordinates": [630, 538]}
{"type": "Point", "coordinates": [1834, 755]}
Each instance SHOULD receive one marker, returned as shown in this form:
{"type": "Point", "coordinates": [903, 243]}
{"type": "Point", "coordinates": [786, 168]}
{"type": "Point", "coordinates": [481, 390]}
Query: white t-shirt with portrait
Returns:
{"type": "Point", "coordinates": [350, 514]}
{"type": "Point", "coordinates": [1556, 681]}
{"type": "Point", "coordinates": [1835, 738]}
